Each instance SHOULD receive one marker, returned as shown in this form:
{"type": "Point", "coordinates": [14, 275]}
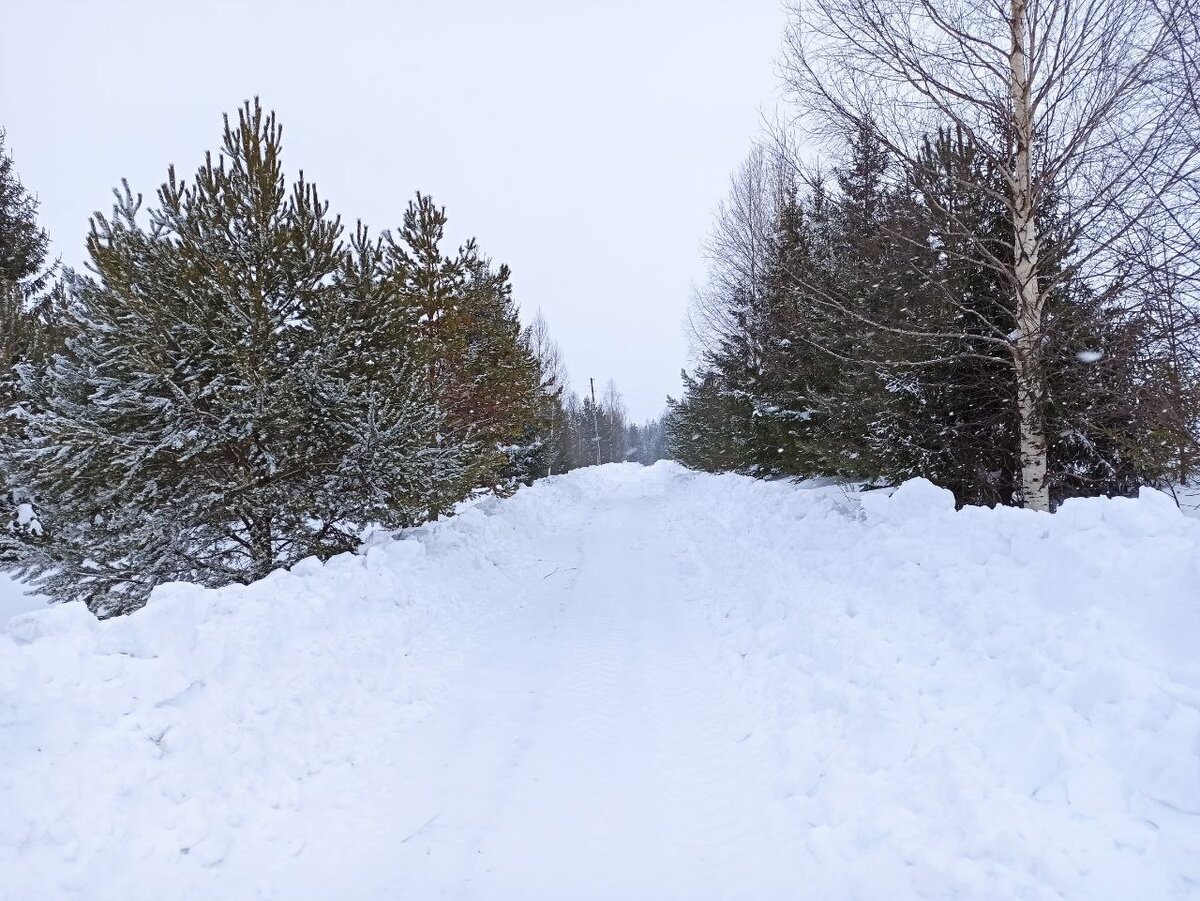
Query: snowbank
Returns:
{"type": "Point", "coordinates": [14, 601]}
{"type": "Point", "coordinates": [972, 704]}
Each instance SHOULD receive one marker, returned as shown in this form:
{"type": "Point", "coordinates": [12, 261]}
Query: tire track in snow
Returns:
{"type": "Point", "coordinates": [634, 684]}
{"type": "Point", "coordinates": [621, 745]}
{"type": "Point", "coordinates": [560, 807]}
{"type": "Point", "coordinates": [732, 837]}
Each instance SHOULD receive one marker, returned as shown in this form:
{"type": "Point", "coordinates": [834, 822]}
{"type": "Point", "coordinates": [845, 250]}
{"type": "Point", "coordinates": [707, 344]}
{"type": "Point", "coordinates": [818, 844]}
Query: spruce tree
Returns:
{"type": "Point", "coordinates": [966, 427]}
{"type": "Point", "coordinates": [708, 427]}
{"type": "Point", "coordinates": [875, 343]}
{"type": "Point", "coordinates": [648, 442]}
{"type": "Point", "coordinates": [956, 422]}
{"type": "Point", "coordinates": [798, 425]}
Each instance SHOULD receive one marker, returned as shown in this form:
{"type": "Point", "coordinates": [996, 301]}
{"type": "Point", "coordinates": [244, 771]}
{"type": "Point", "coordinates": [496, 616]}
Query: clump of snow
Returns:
{"type": "Point", "coordinates": [635, 683]}
{"type": "Point", "coordinates": [915, 500]}
{"type": "Point", "coordinates": [25, 520]}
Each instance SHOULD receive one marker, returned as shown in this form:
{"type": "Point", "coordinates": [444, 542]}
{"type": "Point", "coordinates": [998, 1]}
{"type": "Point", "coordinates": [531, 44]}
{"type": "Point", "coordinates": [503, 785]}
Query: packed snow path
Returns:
{"type": "Point", "coordinates": [593, 744]}
{"type": "Point", "coordinates": [634, 683]}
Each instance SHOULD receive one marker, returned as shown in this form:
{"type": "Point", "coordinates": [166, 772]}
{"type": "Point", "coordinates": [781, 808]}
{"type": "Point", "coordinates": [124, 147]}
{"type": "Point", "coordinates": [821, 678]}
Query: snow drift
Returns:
{"type": "Point", "coordinates": [14, 599]}
{"type": "Point", "coordinates": [634, 683]}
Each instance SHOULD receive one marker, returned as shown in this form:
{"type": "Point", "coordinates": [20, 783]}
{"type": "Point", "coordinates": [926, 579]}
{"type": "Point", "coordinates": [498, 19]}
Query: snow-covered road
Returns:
{"type": "Point", "coordinates": [634, 683]}
{"type": "Point", "coordinates": [593, 746]}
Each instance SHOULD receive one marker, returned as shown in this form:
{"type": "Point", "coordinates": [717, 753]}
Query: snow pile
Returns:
{"type": "Point", "coordinates": [1007, 703]}
{"type": "Point", "coordinates": [14, 600]}
{"type": "Point", "coordinates": [155, 739]}
{"type": "Point", "coordinates": [637, 683]}
{"type": "Point", "coordinates": [1189, 500]}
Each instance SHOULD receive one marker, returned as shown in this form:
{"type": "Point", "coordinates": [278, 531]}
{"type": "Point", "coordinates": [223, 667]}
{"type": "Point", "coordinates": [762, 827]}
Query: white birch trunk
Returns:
{"type": "Point", "coordinates": [1028, 351]}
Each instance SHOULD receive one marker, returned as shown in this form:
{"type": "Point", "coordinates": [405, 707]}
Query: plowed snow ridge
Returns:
{"type": "Point", "coordinates": [634, 683]}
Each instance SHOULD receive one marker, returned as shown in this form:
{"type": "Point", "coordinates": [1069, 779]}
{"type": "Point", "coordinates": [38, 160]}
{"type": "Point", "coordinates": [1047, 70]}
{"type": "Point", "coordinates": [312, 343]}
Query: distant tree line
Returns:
{"type": "Point", "coordinates": [991, 280]}
{"type": "Point", "coordinates": [581, 432]}
{"type": "Point", "coordinates": [239, 381]}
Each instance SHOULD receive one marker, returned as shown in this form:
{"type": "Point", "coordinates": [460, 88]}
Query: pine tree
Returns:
{"type": "Point", "coordinates": [23, 244]}
{"type": "Point", "coordinates": [27, 337]}
{"type": "Point", "coordinates": [483, 373]}
{"type": "Point", "coordinates": [238, 390]}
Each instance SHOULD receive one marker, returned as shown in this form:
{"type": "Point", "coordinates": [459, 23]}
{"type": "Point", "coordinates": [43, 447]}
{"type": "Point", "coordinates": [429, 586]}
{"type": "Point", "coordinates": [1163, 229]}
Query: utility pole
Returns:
{"type": "Point", "coordinates": [595, 420]}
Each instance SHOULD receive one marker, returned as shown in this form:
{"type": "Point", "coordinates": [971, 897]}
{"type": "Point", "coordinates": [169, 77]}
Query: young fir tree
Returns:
{"type": "Point", "coordinates": [237, 392]}
{"type": "Point", "coordinates": [708, 428]}
{"type": "Point", "coordinates": [797, 420]}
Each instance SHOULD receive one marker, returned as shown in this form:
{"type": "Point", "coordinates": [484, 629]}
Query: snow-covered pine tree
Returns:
{"type": "Point", "coordinates": [483, 373]}
{"type": "Point", "coordinates": [210, 420]}
{"type": "Point", "coordinates": [23, 243]}
{"type": "Point", "coordinates": [396, 466]}
{"type": "Point", "coordinates": [27, 337]}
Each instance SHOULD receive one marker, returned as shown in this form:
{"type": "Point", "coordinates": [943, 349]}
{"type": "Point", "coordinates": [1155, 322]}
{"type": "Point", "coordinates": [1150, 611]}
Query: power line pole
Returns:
{"type": "Point", "coordinates": [595, 420]}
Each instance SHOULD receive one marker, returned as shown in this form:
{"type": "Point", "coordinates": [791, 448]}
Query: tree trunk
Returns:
{"type": "Point", "coordinates": [262, 547]}
{"type": "Point", "coordinates": [1030, 396]}
{"type": "Point", "coordinates": [1028, 351]}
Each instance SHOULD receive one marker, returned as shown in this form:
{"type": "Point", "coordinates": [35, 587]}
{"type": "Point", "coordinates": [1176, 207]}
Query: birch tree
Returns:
{"type": "Point", "coordinates": [738, 249]}
{"type": "Point", "coordinates": [552, 452]}
{"type": "Point", "coordinates": [1088, 101]}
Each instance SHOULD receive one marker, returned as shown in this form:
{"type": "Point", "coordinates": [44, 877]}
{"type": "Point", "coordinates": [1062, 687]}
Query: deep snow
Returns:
{"type": "Point", "coordinates": [634, 683]}
{"type": "Point", "coordinates": [15, 600]}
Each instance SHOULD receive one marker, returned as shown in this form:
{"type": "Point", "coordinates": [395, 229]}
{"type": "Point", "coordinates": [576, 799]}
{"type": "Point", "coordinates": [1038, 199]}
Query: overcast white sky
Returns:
{"type": "Point", "coordinates": [584, 143]}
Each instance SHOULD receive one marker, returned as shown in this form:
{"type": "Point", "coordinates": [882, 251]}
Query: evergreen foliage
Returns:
{"type": "Point", "coordinates": [475, 358]}
{"type": "Point", "coordinates": [238, 383]}
{"type": "Point", "coordinates": [874, 340]}
{"type": "Point", "coordinates": [239, 390]}
{"type": "Point", "coordinates": [27, 337]}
